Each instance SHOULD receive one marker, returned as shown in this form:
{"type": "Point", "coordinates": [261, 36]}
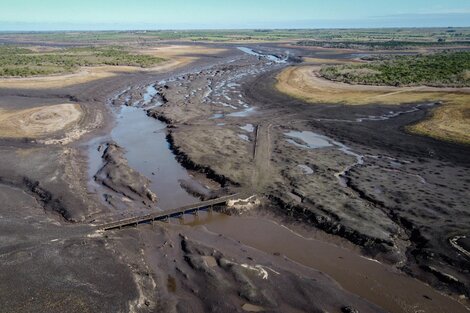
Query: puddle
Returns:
{"type": "Point", "coordinates": [269, 57]}
{"type": "Point", "coordinates": [228, 105]}
{"type": "Point", "coordinates": [249, 51]}
{"type": "Point", "coordinates": [244, 137]}
{"type": "Point", "coordinates": [295, 143]}
{"type": "Point", "coordinates": [171, 284]}
{"type": "Point", "coordinates": [217, 116]}
{"type": "Point", "coordinates": [370, 279]}
{"type": "Point", "coordinates": [315, 141]}
{"type": "Point", "coordinates": [305, 169]}
{"type": "Point", "coordinates": [248, 128]}
{"type": "Point", "coordinates": [147, 151]}
{"type": "Point", "coordinates": [248, 111]}
{"type": "Point", "coordinates": [312, 140]}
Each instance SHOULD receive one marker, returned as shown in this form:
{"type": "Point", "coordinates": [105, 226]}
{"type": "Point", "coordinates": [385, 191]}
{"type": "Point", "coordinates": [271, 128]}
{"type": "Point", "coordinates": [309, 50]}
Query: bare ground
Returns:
{"type": "Point", "coordinates": [384, 207]}
{"type": "Point", "coordinates": [448, 122]}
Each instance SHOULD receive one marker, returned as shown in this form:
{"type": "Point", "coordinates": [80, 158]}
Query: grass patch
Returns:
{"type": "Point", "coordinates": [384, 45]}
{"type": "Point", "coordinates": [450, 121]}
{"type": "Point", "coordinates": [448, 69]}
{"type": "Point", "coordinates": [384, 37]}
{"type": "Point", "coordinates": [21, 62]}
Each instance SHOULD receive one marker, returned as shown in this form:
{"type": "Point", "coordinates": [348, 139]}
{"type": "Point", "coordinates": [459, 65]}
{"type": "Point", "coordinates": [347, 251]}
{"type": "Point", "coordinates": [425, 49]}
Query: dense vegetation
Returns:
{"type": "Point", "coordinates": [383, 45]}
{"type": "Point", "coordinates": [22, 62]}
{"type": "Point", "coordinates": [343, 35]}
{"type": "Point", "coordinates": [447, 69]}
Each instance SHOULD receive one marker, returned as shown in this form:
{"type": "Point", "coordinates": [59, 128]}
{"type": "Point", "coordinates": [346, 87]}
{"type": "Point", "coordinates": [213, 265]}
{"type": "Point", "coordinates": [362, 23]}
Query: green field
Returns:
{"type": "Point", "coordinates": [305, 36]}
{"type": "Point", "coordinates": [22, 62]}
{"type": "Point", "coordinates": [385, 45]}
{"type": "Point", "coordinates": [447, 69]}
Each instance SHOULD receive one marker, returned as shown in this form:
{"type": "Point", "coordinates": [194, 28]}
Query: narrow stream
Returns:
{"type": "Point", "coordinates": [269, 57]}
{"type": "Point", "coordinates": [386, 116]}
{"type": "Point", "coordinates": [149, 94]}
{"type": "Point", "coordinates": [147, 151]}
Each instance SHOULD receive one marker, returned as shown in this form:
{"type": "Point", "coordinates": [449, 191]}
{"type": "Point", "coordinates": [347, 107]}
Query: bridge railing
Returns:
{"type": "Point", "coordinates": [168, 213]}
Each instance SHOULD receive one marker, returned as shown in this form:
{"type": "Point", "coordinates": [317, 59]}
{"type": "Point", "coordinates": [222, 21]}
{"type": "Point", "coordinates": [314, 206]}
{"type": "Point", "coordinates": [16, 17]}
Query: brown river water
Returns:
{"type": "Point", "coordinates": [370, 279]}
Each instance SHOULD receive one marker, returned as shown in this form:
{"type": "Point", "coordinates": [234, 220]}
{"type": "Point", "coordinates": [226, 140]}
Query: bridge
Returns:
{"type": "Point", "coordinates": [165, 215]}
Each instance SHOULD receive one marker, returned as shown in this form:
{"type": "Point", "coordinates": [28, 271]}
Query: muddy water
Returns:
{"type": "Point", "coordinates": [269, 57]}
{"type": "Point", "coordinates": [312, 140]}
{"type": "Point", "coordinates": [248, 128]}
{"type": "Point", "coordinates": [150, 93]}
{"type": "Point", "coordinates": [367, 278]}
{"type": "Point", "coordinates": [247, 112]}
{"type": "Point", "coordinates": [147, 151]}
{"type": "Point", "coordinates": [305, 169]}
{"type": "Point", "coordinates": [315, 141]}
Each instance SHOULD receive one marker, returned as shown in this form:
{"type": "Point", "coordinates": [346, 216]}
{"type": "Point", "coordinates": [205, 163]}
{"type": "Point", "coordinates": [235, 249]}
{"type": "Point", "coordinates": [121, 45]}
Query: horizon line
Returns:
{"type": "Point", "coordinates": [228, 29]}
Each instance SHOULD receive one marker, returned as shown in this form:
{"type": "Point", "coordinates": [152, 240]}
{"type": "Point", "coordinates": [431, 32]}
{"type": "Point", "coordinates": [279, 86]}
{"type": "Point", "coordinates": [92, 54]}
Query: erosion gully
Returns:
{"type": "Point", "coordinates": [147, 151]}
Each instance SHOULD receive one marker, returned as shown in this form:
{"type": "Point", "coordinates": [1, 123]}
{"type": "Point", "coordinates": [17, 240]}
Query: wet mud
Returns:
{"type": "Point", "coordinates": [352, 213]}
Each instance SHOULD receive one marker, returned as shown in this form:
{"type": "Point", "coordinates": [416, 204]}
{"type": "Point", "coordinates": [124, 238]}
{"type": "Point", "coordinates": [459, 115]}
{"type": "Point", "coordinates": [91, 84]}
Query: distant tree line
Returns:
{"type": "Point", "coordinates": [383, 45]}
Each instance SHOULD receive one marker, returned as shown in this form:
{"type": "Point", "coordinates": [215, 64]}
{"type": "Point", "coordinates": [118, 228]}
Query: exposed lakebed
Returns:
{"type": "Point", "coordinates": [148, 152]}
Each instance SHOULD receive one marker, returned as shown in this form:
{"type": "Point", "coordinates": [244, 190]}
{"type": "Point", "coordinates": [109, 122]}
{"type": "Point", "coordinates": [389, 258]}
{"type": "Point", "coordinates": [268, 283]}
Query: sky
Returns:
{"type": "Point", "coordinates": [30, 15]}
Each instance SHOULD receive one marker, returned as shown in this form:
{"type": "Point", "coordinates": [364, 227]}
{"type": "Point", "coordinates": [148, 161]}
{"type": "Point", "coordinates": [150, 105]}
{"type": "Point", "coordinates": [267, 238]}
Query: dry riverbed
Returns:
{"type": "Point", "coordinates": [347, 207]}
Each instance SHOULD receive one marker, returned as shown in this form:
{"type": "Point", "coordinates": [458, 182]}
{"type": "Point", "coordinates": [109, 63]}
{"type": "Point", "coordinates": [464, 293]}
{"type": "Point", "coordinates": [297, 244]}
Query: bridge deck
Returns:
{"type": "Point", "coordinates": [169, 213]}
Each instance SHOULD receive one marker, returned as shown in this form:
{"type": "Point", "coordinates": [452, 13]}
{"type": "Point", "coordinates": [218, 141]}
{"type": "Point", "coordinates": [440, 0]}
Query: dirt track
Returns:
{"type": "Point", "coordinates": [262, 157]}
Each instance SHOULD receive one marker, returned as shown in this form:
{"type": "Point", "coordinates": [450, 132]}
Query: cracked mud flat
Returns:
{"type": "Point", "coordinates": [368, 190]}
